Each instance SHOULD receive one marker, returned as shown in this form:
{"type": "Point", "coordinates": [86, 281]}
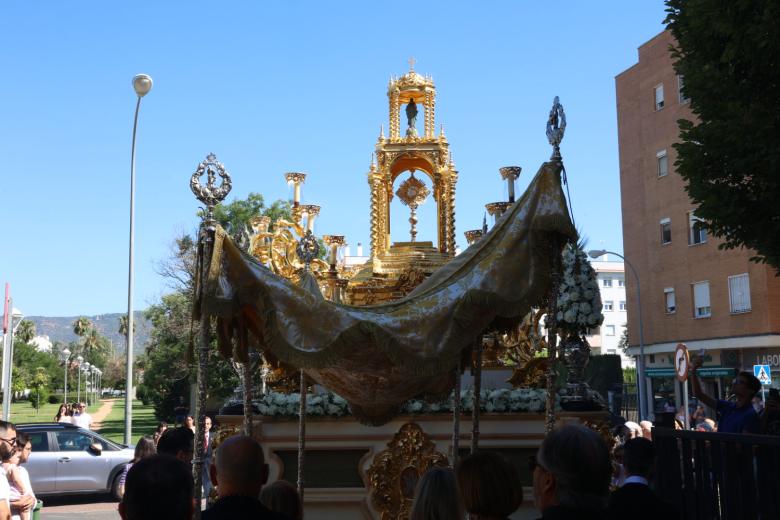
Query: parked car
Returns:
{"type": "Point", "coordinates": [66, 459]}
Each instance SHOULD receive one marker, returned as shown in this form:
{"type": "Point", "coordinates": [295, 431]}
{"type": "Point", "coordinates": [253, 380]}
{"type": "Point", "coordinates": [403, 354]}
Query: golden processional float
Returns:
{"type": "Point", "coordinates": [407, 322]}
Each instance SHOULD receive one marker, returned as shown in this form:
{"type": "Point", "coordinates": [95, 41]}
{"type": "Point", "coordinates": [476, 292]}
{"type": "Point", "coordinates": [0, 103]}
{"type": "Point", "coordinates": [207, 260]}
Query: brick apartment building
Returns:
{"type": "Point", "coordinates": [692, 292]}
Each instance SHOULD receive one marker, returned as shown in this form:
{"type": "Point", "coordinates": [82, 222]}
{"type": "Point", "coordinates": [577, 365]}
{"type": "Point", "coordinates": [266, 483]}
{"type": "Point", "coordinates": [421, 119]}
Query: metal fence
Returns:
{"type": "Point", "coordinates": [629, 408]}
{"type": "Point", "coordinates": [722, 476]}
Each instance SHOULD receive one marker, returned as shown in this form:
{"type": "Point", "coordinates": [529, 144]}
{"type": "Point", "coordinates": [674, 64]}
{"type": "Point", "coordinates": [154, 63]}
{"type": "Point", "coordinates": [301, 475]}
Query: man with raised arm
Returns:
{"type": "Point", "coordinates": [736, 416]}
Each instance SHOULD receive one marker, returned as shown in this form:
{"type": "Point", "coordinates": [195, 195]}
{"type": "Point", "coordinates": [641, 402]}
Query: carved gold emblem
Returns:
{"type": "Point", "coordinates": [394, 473]}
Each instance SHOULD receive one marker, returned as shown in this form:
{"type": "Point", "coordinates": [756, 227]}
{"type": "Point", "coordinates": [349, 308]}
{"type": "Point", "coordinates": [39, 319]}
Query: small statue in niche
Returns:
{"type": "Point", "coordinates": [411, 118]}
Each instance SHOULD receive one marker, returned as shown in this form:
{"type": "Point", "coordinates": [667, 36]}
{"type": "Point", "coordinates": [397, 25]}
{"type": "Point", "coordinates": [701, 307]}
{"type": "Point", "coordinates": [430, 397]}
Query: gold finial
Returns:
{"type": "Point", "coordinates": [381, 131]}
{"type": "Point", "coordinates": [373, 164]}
{"type": "Point", "coordinates": [412, 61]}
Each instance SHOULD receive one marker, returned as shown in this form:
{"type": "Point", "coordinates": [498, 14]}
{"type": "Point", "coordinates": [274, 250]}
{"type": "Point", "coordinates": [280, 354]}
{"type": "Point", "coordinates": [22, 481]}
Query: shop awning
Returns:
{"type": "Point", "coordinates": [703, 372]}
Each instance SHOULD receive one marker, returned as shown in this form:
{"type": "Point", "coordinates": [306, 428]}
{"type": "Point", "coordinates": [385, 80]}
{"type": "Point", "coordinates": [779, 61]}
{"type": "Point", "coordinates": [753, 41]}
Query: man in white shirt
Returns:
{"type": "Point", "coordinates": [82, 418]}
{"type": "Point", "coordinates": [7, 447]}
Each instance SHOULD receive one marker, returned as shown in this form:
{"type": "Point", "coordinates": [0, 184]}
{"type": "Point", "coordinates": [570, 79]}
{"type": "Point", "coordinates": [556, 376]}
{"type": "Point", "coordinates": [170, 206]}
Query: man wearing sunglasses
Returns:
{"type": "Point", "coordinates": [7, 448]}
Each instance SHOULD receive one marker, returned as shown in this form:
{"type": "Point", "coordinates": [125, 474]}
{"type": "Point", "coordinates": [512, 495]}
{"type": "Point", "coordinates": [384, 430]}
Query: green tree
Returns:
{"type": "Point", "coordinates": [623, 343]}
{"type": "Point", "coordinates": [124, 330]}
{"type": "Point", "coordinates": [38, 383]}
{"type": "Point", "coordinates": [82, 326]}
{"type": "Point", "coordinates": [729, 56]}
{"type": "Point", "coordinates": [25, 331]}
{"type": "Point", "coordinates": [235, 216]}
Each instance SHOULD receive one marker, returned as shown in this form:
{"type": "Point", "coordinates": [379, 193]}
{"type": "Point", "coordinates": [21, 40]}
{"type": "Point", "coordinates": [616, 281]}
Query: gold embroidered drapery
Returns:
{"type": "Point", "coordinates": [377, 357]}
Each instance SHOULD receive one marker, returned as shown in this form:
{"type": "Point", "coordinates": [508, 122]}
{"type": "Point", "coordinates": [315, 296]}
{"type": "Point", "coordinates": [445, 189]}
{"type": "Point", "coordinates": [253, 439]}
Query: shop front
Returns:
{"type": "Point", "coordinates": [763, 356]}
{"type": "Point", "coordinates": [667, 392]}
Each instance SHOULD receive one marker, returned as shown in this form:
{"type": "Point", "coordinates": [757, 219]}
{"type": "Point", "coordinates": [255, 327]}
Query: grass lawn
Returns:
{"type": "Point", "coordinates": [144, 422]}
{"type": "Point", "coordinates": [23, 412]}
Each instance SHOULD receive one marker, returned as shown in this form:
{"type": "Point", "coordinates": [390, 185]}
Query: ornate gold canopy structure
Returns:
{"type": "Point", "coordinates": [394, 267]}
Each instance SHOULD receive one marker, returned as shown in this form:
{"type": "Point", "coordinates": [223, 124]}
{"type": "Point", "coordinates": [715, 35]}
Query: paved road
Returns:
{"type": "Point", "coordinates": [83, 507]}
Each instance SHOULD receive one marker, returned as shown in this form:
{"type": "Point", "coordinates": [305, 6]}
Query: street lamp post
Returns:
{"type": "Point", "coordinates": [8, 355]}
{"type": "Point", "coordinates": [66, 359]}
{"type": "Point", "coordinates": [85, 369]}
{"type": "Point", "coordinates": [142, 84]}
{"type": "Point", "coordinates": [79, 361]}
{"type": "Point", "coordinates": [640, 365]}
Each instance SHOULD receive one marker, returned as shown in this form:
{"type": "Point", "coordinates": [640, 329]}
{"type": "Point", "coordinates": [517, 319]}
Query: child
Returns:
{"type": "Point", "coordinates": [18, 478]}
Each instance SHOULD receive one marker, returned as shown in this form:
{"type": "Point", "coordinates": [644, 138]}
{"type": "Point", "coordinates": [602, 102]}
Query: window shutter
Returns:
{"type": "Point", "coordinates": [739, 293]}
{"type": "Point", "coordinates": [701, 294]}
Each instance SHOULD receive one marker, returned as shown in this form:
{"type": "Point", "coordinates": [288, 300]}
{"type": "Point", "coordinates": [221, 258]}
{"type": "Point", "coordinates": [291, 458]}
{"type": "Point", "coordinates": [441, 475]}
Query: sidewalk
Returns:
{"type": "Point", "coordinates": [99, 416]}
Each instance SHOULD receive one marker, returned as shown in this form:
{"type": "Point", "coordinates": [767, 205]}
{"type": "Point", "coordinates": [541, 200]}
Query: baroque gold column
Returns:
{"type": "Point", "coordinates": [453, 179]}
{"type": "Point", "coordinates": [429, 118]}
{"type": "Point", "coordinates": [377, 212]}
{"type": "Point", "coordinates": [395, 131]}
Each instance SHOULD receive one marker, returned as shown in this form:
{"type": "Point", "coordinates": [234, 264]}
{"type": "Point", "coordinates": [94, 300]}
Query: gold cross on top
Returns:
{"type": "Point", "coordinates": [412, 61]}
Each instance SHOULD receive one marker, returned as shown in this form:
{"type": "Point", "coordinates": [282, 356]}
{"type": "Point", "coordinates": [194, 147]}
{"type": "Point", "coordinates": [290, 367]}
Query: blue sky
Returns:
{"type": "Point", "coordinates": [271, 87]}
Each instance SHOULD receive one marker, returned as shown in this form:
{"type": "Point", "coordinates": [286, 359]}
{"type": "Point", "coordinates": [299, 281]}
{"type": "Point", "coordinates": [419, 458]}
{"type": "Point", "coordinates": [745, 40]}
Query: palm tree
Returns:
{"type": "Point", "coordinates": [123, 326]}
{"type": "Point", "coordinates": [94, 343]}
{"type": "Point", "coordinates": [25, 331]}
{"type": "Point", "coordinates": [82, 326]}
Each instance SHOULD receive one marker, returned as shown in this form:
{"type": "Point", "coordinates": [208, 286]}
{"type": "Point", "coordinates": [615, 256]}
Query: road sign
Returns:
{"type": "Point", "coordinates": [681, 362]}
{"type": "Point", "coordinates": [763, 374]}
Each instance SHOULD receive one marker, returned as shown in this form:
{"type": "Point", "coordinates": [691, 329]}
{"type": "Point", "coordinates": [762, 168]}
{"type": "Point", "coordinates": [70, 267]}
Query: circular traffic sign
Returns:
{"type": "Point", "coordinates": [681, 362]}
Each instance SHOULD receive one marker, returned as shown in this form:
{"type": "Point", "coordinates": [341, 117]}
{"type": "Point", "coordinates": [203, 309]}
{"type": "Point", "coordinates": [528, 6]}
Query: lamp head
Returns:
{"type": "Point", "coordinates": [80, 359]}
{"type": "Point", "coordinates": [595, 253]}
{"type": "Point", "coordinates": [66, 352]}
{"type": "Point", "coordinates": [142, 84]}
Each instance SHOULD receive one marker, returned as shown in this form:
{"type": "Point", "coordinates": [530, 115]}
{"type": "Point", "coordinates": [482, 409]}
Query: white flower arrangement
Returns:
{"type": "Point", "coordinates": [579, 299]}
{"type": "Point", "coordinates": [502, 400]}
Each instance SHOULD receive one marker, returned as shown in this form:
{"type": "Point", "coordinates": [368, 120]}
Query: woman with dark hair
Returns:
{"type": "Point", "coordinates": [161, 427]}
{"type": "Point", "coordinates": [63, 415]}
{"type": "Point", "coordinates": [490, 486]}
{"type": "Point", "coordinates": [282, 497]}
{"type": "Point", "coordinates": [437, 496]}
{"type": "Point", "coordinates": [144, 448]}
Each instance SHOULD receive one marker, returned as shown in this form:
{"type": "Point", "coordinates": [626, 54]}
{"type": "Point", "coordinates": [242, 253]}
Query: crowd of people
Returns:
{"type": "Point", "coordinates": [573, 477]}
{"type": "Point", "coordinates": [75, 413]}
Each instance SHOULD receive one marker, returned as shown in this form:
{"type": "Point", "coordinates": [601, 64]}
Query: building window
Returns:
{"type": "Point", "coordinates": [652, 358]}
{"type": "Point", "coordinates": [659, 96]}
{"type": "Point", "coordinates": [611, 351]}
{"type": "Point", "coordinates": [609, 330]}
{"type": "Point", "coordinates": [666, 231]}
{"type": "Point", "coordinates": [680, 84]}
{"type": "Point", "coordinates": [607, 282]}
{"type": "Point", "coordinates": [608, 306]}
{"type": "Point", "coordinates": [621, 282]}
{"type": "Point", "coordinates": [623, 306]}
{"type": "Point", "coordinates": [701, 300]}
{"type": "Point", "coordinates": [696, 232]}
{"type": "Point", "coordinates": [739, 293]}
{"type": "Point", "coordinates": [663, 163]}
{"type": "Point", "coordinates": [671, 304]}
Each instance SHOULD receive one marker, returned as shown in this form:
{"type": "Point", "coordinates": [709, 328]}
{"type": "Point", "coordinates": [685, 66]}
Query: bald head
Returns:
{"type": "Point", "coordinates": [240, 467]}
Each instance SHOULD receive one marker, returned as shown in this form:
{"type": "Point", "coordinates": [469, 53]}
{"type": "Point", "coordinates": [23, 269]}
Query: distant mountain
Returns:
{"type": "Point", "coordinates": [61, 329]}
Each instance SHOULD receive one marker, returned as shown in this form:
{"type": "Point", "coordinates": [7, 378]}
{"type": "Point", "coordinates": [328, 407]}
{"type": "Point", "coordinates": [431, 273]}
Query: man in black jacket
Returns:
{"type": "Point", "coordinates": [635, 500]}
{"type": "Point", "coordinates": [239, 473]}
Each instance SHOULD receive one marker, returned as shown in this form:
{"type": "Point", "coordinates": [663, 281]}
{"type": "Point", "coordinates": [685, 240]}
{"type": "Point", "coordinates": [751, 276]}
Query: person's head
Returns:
{"type": "Point", "coordinates": [189, 422]}
{"type": "Point", "coordinates": [489, 485]}
{"type": "Point", "coordinates": [572, 469]}
{"type": "Point", "coordinates": [24, 446]}
{"type": "Point", "coordinates": [162, 426]}
{"type": "Point", "coordinates": [82, 407]}
{"type": "Point", "coordinates": [282, 497]}
{"type": "Point", "coordinates": [647, 430]}
{"type": "Point", "coordinates": [634, 429]}
{"type": "Point", "coordinates": [177, 442]}
{"type": "Point", "coordinates": [207, 422]}
{"type": "Point", "coordinates": [639, 457]}
{"type": "Point", "coordinates": [437, 496]}
{"type": "Point", "coordinates": [159, 486]}
{"type": "Point", "coordinates": [7, 440]}
{"type": "Point", "coordinates": [746, 386]}
{"type": "Point", "coordinates": [144, 448]}
{"type": "Point", "coordinates": [239, 467]}
{"type": "Point", "coordinates": [63, 411]}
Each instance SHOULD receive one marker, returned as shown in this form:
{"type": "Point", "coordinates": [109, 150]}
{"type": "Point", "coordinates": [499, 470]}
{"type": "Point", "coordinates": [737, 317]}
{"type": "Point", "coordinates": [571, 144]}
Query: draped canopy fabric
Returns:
{"type": "Point", "coordinates": [377, 357]}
